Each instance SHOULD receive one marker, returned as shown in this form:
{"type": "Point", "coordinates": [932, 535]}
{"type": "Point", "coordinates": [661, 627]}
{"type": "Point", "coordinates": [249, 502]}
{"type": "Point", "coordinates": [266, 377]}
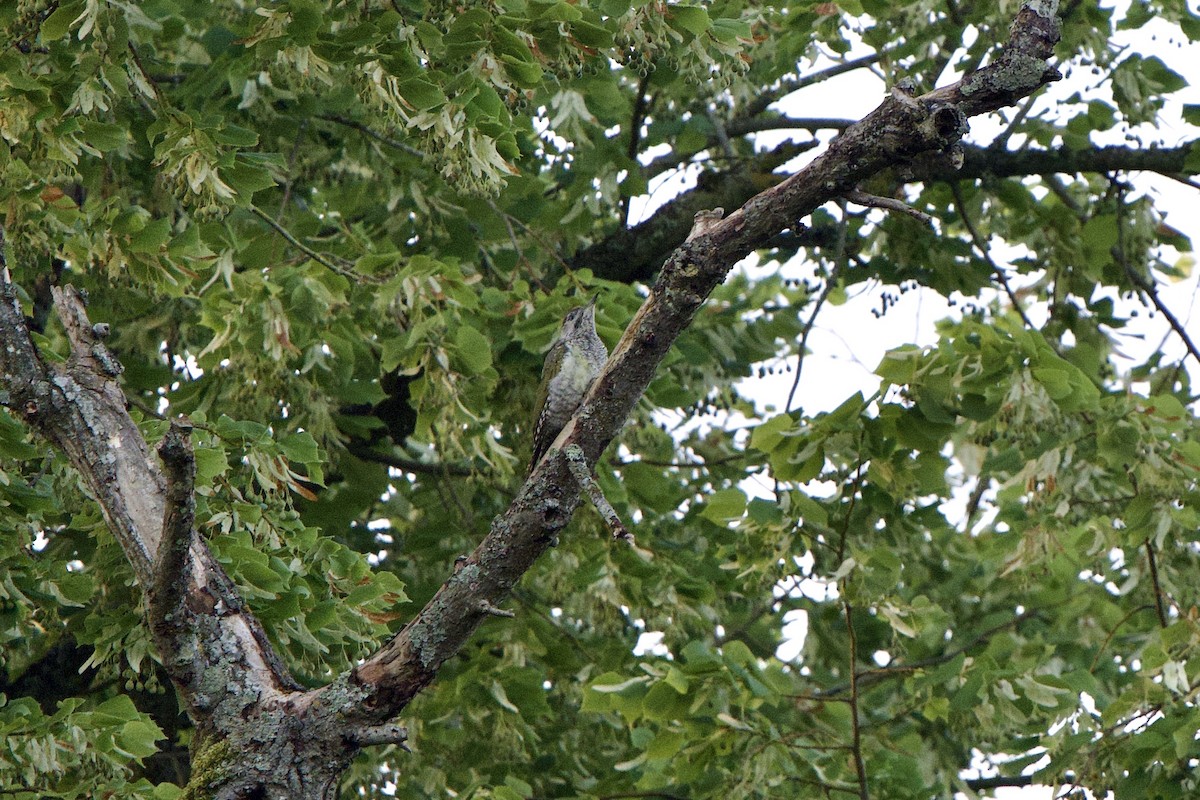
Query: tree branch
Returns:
{"type": "Point", "coordinates": [80, 409]}
{"type": "Point", "coordinates": [894, 670]}
{"type": "Point", "coordinates": [1158, 590]}
{"type": "Point", "coordinates": [860, 768]}
{"type": "Point", "coordinates": [900, 128]}
{"type": "Point", "coordinates": [981, 245]}
{"type": "Point", "coordinates": [636, 253]}
{"type": "Point", "coordinates": [171, 576]}
{"type": "Point", "coordinates": [366, 453]}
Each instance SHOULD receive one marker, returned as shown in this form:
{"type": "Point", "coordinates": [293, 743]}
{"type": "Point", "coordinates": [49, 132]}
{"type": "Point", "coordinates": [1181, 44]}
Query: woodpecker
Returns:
{"type": "Point", "coordinates": [574, 361]}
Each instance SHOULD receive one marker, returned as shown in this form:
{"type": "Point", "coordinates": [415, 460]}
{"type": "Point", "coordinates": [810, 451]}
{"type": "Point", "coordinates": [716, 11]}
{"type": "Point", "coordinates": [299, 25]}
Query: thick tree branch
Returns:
{"type": "Point", "coordinates": [637, 253]}
{"type": "Point", "coordinates": [899, 129]}
{"type": "Point", "coordinates": [213, 648]}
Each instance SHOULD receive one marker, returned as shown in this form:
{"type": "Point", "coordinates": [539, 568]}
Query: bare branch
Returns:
{"type": "Point", "coordinates": [861, 198]}
{"type": "Point", "coordinates": [380, 734]}
{"type": "Point", "coordinates": [588, 485]}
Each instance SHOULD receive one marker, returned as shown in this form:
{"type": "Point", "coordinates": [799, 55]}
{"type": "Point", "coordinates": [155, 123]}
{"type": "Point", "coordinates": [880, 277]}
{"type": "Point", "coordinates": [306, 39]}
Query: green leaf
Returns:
{"type": "Point", "coordinates": [138, 737]}
{"type": "Point", "coordinates": [102, 135]}
{"type": "Point", "coordinates": [725, 506]}
{"type": "Point", "coordinates": [421, 94]}
{"type": "Point", "coordinates": [473, 349]}
{"type": "Point", "coordinates": [689, 18]}
{"type": "Point", "coordinates": [60, 22]}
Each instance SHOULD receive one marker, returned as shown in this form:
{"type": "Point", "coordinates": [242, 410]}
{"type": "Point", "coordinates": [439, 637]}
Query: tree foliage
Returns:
{"type": "Point", "coordinates": [339, 237]}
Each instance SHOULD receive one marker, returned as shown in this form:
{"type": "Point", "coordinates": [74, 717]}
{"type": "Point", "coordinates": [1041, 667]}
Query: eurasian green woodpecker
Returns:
{"type": "Point", "coordinates": [574, 361]}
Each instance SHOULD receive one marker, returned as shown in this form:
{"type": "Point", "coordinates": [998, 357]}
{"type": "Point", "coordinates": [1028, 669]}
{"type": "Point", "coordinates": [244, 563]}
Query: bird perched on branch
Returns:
{"type": "Point", "coordinates": [574, 361]}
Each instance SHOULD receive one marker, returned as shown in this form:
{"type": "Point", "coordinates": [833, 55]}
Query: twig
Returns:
{"type": "Point", "coordinates": [1113, 632]}
{"type": "Point", "coordinates": [740, 127]}
{"type": "Point", "coordinates": [408, 464]}
{"type": "Point", "coordinates": [830, 284]}
{"type": "Point", "coordinates": [179, 522]}
{"type": "Point", "coordinates": [577, 463]}
{"type": "Point", "coordinates": [635, 136]}
{"type": "Point", "coordinates": [650, 462]}
{"type": "Point", "coordinates": [374, 134]}
{"type": "Point", "coordinates": [1022, 112]}
{"type": "Point", "coordinates": [537, 237]}
{"type": "Point", "coordinates": [875, 675]}
{"type": "Point", "coordinates": [856, 735]}
{"type": "Point", "coordinates": [344, 269]}
{"type": "Point", "coordinates": [287, 186]}
{"type": "Point", "coordinates": [1147, 288]}
{"type": "Point", "coordinates": [1184, 179]}
{"type": "Point", "coordinates": [491, 610]}
{"type": "Point", "coordinates": [1151, 293]}
{"type": "Point", "coordinates": [862, 198]}
{"type": "Point", "coordinates": [387, 733]}
{"type": "Point", "coordinates": [1061, 192]}
{"type": "Point", "coordinates": [982, 246]}
{"type": "Point", "coordinates": [1158, 590]}
{"type": "Point", "coordinates": [999, 782]}
{"type": "Point", "coordinates": [760, 103]}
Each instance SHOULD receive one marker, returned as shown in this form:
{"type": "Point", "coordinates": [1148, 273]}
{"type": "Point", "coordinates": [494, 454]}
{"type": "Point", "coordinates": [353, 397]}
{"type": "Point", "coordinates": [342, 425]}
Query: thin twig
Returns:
{"type": "Point", "coordinates": [1184, 179]}
{"type": "Point", "coordinates": [408, 464]}
{"type": "Point", "coordinates": [1104, 645]}
{"type": "Point", "coordinates": [1147, 287]}
{"type": "Point", "coordinates": [374, 134]}
{"type": "Point", "coordinates": [640, 105]}
{"type": "Point", "coordinates": [1022, 111]}
{"type": "Point", "coordinates": [287, 186]}
{"type": "Point", "coordinates": [1151, 293]}
{"type": "Point", "coordinates": [345, 269]}
{"type": "Point", "coordinates": [537, 237]}
{"type": "Point", "coordinates": [883, 673]}
{"type": "Point", "coordinates": [982, 246]}
{"type": "Point", "coordinates": [830, 283]}
{"type": "Point", "coordinates": [855, 733]}
{"type": "Point", "coordinates": [866, 200]}
{"type": "Point", "coordinates": [787, 86]}
{"type": "Point", "coordinates": [1158, 590]}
